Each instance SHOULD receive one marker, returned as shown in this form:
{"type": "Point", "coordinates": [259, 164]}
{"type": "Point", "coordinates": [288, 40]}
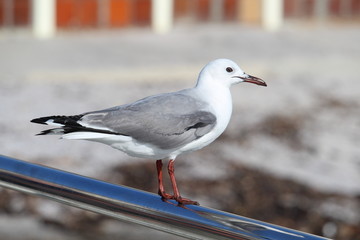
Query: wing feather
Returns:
{"type": "Point", "coordinates": [166, 121]}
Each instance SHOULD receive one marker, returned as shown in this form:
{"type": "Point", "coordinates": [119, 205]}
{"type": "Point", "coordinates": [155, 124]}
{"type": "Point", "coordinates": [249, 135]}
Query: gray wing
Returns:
{"type": "Point", "coordinates": [166, 121]}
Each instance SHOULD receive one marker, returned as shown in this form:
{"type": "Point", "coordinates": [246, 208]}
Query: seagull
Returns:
{"type": "Point", "coordinates": [162, 126]}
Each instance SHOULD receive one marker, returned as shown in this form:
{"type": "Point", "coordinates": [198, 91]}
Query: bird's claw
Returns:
{"type": "Point", "coordinates": [185, 201]}
{"type": "Point", "coordinates": [180, 200]}
{"type": "Point", "coordinates": [165, 196]}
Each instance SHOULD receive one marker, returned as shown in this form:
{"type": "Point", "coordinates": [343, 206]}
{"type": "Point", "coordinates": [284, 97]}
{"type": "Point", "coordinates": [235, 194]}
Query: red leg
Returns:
{"type": "Point", "coordinates": [161, 191]}
{"type": "Point", "coordinates": [177, 197]}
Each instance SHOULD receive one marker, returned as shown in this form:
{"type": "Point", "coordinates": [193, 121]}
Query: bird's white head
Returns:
{"type": "Point", "coordinates": [226, 73]}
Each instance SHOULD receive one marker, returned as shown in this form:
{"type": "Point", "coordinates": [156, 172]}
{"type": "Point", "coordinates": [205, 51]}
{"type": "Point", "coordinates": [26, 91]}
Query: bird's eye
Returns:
{"type": "Point", "coordinates": [229, 69]}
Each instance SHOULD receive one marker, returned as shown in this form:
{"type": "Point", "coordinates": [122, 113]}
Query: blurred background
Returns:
{"type": "Point", "coordinates": [290, 155]}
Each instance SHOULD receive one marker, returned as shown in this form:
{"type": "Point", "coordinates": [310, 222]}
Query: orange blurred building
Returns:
{"type": "Point", "coordinates": [125, 13]}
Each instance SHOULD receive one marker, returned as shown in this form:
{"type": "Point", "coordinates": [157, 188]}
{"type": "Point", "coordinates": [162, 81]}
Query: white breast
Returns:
{"type": "Point", "coordinates": [221, 105]}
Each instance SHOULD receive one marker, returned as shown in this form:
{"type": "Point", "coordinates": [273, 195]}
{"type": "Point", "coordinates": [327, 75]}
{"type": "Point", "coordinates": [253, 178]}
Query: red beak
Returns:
{"type": "Point", "coordinates": [255, 80]}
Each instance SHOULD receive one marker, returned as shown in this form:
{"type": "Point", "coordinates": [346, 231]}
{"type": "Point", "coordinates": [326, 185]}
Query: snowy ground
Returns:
{"type": "Point", "coordinates": [304, 126]}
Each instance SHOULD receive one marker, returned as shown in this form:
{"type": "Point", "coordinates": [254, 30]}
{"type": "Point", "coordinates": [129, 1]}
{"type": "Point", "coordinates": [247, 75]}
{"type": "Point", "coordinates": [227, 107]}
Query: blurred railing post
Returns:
{"type": "Point", "coordinates": [162, 15]}
{"type": "Point", "coordinates": [216, 10]}
{"type": "Point", "coordinates": [43, 18]}
{"type": "Point", "coordinates": [272, 14]}
{"type": "Point", "coordinates": [321, 10]}
{"type": "Point", "coordinates": [103, 13]}
{"type": "Point", "coordinates": [132, 205]}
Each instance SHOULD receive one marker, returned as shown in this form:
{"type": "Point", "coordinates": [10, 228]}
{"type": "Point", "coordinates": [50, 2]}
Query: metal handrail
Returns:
{"type": "Point", "coordinates": [132, 205]}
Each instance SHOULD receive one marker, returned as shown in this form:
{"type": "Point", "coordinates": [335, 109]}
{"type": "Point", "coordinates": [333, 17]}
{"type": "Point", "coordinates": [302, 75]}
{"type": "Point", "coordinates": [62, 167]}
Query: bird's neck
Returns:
{"type": "Point", "coordinates": [217, 94]}
{"type": "Point", "coordinates": [212, 90]}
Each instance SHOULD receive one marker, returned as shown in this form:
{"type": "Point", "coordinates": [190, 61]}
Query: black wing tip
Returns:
{"type": "Point", "coordinates": [39, 120]}
{"type": "Point", "coordinates": [65, 120]}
